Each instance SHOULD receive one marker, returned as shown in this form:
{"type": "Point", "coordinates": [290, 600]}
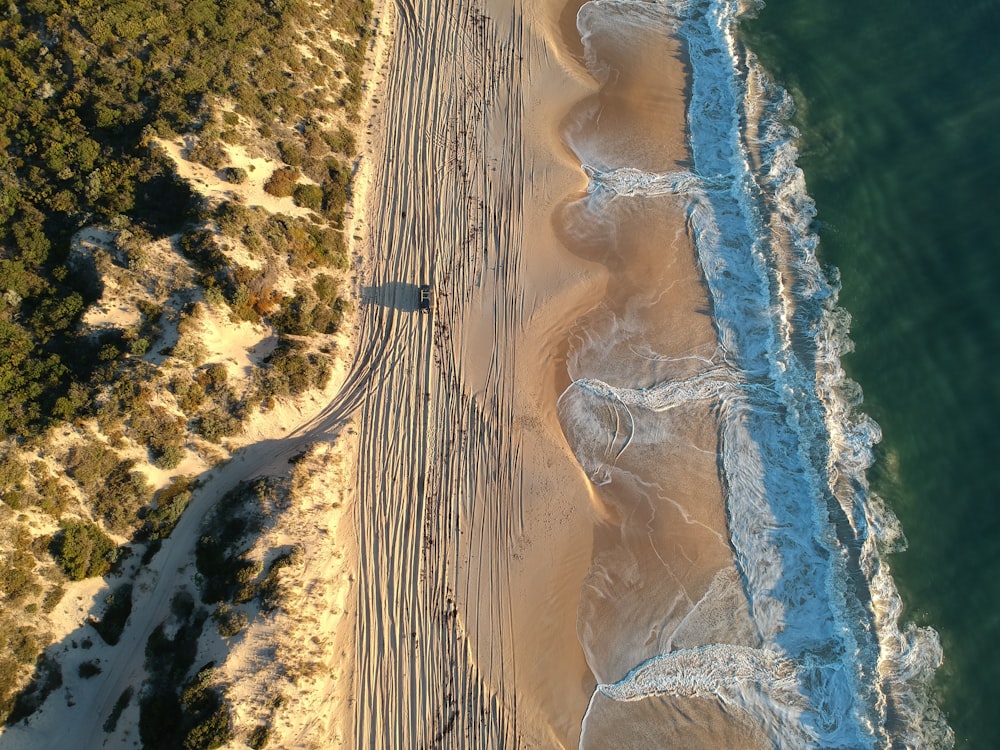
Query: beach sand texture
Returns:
{"type": "Point", "coordinates": [538, 508]}
{"type": "Point", "coordinates": [524, 535]}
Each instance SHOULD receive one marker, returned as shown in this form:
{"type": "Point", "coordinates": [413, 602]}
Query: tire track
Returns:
{"type": "Point", "coordinates": [439, 465]}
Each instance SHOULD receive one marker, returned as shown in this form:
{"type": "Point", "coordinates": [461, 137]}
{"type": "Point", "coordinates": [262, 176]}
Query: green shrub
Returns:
{"type": "Point", "coordinates": [18, 641]}
{"type": "Point", "coordinates": [336, 190]}
{"type": "Point", "coordinates": [292, 371]}
{"type": "Point", "coordinates": [139, 347]}
{"type": "Point", "coordinates": [327, 318]}
{"type": "Point", "coordinates": [308, 196]}
{"type": "Point", "coordinates": [46, 678]}
{"type": "Point", "coordinates": [295, 315]}
{"type": "Point", "coordinates": [189, 395]}
{"type": "Point", "coordinates": [160, 430]}
{"type": "Point", "coordinates": [159, 521]}
{"type": "Point", "coordinates": [121, 495]}
{"type": "Point", "coordinates": [169, 456]}
{"type": "Point", "coordinates": [17, 577]}
{"type": "Point", "coordinates": [83, 550]}
{"type": "Point", "coordinates": [230, 622]}
{"type": "Point", "coordinates": [89, 463]}
{"type": "Point", "coordinates": [259, 737]}
{"type": "Point", "coordinates": [190, 348]}
{"type": "Point", "coordinates": [236, 175]}
{"type": "Point", "coordinates": [341, 140]}
{"type": "Point", "coordinates": [52, 598]}
{"type": "Point", "coordinates": [160, 719]}
{"type": "Point", "coordinates": [213, 732]}
{"type": "Point", "coordinates": [291, 153]}
{"type": "Point", "coordinates": [350, 96]}
{"type": "Point", "coordinates": [9, 672]}
{"type": "Point", "coordinates": [12, 470]}
{"type": "Point", "coordinates": [326, 288]}
{"type": "Point", "coordinates": [209, 152]}
{"type": "Point", "coordinates": [203, 249]}
{"type": "Point", "coordinates": [213, 377]}
{"type": "Point", "coordinates": [112, 625]}
{"type": "Point", "coordinates": [89, 669]}
{"type": "Point", "coordinates": [53, 497]}
{"type": "Point", "coordinates": [111, 723]}
{"type": "Point", "coordinates": [216, 424]}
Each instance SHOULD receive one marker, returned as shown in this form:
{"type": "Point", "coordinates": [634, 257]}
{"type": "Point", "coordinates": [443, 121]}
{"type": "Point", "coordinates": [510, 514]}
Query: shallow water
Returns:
{"type": "Point", "coordinates": [897, 107]}
{"type": "Point", "coordinates": [738, 557]}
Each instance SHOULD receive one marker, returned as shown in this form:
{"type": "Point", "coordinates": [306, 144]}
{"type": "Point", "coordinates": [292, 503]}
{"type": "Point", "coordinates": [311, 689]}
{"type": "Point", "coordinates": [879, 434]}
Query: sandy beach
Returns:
{"type": "Point", "coordinates": [500, 583]}
{"type": "Point", "coordinates": [518, 536]}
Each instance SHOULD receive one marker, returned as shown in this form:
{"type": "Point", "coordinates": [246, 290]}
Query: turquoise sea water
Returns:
{"type": "Point", "coordinates": [898, 104]}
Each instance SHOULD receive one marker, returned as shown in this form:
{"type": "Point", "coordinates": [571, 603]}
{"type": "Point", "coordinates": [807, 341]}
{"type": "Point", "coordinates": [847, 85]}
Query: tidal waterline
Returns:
{"type": "Point", "coordinates": [822, 663]}
{"type": "Point", "coordinates": [897, 108]}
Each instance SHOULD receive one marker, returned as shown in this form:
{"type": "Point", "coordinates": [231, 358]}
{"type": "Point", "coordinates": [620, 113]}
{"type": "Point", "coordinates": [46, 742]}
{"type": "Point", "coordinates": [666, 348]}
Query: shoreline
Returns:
{"type": "Point", "coordinates": [661, 562]}
{"type": "Point", "coordinates": [501, 522]}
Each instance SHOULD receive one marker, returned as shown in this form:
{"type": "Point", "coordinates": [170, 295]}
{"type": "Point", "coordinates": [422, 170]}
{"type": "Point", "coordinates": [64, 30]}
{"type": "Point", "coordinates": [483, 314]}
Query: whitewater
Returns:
{"type": "Point", "coordinates": [826, 663]}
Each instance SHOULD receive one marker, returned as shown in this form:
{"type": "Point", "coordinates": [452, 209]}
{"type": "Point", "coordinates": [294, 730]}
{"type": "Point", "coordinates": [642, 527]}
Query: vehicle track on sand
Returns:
{"type": "Point", "coordinates": [437, 462]}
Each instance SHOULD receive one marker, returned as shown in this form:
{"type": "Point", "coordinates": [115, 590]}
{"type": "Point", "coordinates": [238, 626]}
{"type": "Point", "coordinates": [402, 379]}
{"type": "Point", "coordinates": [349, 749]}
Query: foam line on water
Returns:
{"type": "Point", "coordinates": [630, 182]}
{"type": "Point", "coordinates": [599, 443]}
{"type": "Point", "coordinates": [805, 530]}
{"type": "Point", "coordinates": [784, 545]}
{"type": "Point", "coordinates": [714, 670]}
{"type": "Point", "coordinates": [802, 450]}
{"type": "Point", "coordinates": [761, 683]}
{"type": "Point", "coordinates": [713, 385]}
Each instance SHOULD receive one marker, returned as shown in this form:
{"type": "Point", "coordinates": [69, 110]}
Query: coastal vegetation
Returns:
{"type": "Point", "coordinates": [177, 712]}
{"type": "Point", "coordinates": [83, 550]}
{"type": "Point", "coordinates": [85, 92]}
{"type": "Point", "coordinates": [116, 266]}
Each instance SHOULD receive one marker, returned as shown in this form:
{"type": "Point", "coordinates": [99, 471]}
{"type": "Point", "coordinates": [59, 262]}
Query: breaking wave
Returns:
{"type": "Point", "coordinates": [832, 667]}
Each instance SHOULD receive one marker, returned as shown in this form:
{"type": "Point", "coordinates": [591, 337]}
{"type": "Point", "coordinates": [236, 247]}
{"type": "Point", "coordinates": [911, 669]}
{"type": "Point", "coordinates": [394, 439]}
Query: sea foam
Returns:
{"type": "Point", "coordinates": [833, 668]}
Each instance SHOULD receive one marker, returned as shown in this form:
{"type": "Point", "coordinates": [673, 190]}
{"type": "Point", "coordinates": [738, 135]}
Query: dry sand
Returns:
{"type": "Point", "coordinates": [474, 528]}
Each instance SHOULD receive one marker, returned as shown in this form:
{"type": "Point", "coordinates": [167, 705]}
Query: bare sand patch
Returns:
{"type": "Point", "coordinates": [211, 183]}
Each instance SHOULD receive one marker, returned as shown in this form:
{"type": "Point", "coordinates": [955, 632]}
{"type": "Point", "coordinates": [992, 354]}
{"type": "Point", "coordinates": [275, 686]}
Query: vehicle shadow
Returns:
{"type": "Point", "coordinates": [395, 294]}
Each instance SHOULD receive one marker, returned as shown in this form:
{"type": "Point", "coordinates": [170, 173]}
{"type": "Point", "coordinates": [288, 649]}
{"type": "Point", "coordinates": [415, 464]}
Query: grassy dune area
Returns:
{"type": "Point", "coordinates": [175, 182]}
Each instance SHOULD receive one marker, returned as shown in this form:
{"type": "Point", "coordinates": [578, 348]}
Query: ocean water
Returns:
{"type": "Point", "coordinates": [898, 109]}
{"type": "Point", "coordinates": [790, 619]}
